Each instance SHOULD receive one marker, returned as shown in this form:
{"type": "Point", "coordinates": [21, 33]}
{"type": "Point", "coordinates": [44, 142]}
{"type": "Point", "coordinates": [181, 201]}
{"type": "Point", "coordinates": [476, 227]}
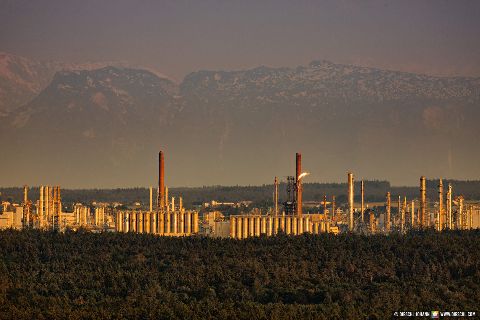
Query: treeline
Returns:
{"type": "Point", "coordinates": [80, 275]}
{"type": "Point", "coordinates": [260, 195]}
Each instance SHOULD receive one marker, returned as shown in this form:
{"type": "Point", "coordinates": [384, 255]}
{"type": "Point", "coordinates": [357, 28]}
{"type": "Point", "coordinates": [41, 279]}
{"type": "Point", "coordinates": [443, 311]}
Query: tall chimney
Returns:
{"type": "Point", "coordinates": [362, 189]}
{"type": "Point", "coordinates": [161, 182]}
{"type": "Point", "coordinates": [423, 202]}
{"type": "Point", "coordinates": [388, 213]}
{"type": "Point", "coordinates": [440, 205]}
{"type": "Point", "coordinates": [350, 201]}
{"type": "Point", "coordinates": [299, 184]}
{"type": "Point", "coordinates": [275, 196]}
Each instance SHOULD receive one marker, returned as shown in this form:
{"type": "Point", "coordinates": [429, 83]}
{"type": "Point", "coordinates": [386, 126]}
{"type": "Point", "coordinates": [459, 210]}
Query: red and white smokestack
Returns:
{"type": "Point", "coordinates": [161, 182]}
{"type": "Point", "coordinates": [299, 184]}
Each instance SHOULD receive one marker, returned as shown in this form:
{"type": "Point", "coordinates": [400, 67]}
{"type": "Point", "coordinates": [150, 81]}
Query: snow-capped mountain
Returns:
{"type": "Point", "coordinates": [104, 126]}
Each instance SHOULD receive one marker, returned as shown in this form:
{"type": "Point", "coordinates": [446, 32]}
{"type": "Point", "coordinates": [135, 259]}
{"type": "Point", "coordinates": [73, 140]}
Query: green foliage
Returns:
{"type": "Point", "coordinates": [76, 275]}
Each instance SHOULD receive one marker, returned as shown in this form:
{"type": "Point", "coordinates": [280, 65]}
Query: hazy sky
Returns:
{"type": "Point", "coordinates": [177, 37]}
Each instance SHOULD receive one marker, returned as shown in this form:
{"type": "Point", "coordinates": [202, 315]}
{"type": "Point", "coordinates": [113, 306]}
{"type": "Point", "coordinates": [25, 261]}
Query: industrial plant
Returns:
{"type": "Point", "coordinates": [165, 216]}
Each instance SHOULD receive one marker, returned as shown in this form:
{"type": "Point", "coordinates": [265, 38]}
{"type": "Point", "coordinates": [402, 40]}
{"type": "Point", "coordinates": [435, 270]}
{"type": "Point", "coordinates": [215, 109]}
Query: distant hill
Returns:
{"type": "Point", "coordinates": [103, 127]}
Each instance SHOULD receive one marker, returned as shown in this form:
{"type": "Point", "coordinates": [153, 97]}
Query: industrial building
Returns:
{"type": "Point", "coordinates": [168, 217]}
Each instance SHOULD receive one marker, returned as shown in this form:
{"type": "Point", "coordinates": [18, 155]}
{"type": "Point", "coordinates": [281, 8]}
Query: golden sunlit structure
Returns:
{"type": "Point", "coordinates": [388, 207]}
{"type": "Point", "coordinates": [298, 176]}
{"type": "Point", "coordinates": [423, 203]}
{"type": "Point", "coordinates": [250, 225]}
{"type": "Point", "coordinates": [362, 205]}
{"type": "Point", "coordinates": [186, 223]}
{"type": "Point", "coordinates": [449, 207]}
{"type": "Point", "coordinates": [350, 201]}
{"type": "Point", "coordinates": [440, 213]}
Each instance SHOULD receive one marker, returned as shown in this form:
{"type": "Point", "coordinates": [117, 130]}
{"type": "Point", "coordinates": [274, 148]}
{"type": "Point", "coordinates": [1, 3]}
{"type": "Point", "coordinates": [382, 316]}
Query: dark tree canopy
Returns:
{"type": "Point", "coordinates": [77, 275]}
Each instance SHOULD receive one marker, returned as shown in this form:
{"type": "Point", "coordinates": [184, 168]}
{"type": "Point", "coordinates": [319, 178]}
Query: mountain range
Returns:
{"type": "Point", "coordinates": [102, 125]}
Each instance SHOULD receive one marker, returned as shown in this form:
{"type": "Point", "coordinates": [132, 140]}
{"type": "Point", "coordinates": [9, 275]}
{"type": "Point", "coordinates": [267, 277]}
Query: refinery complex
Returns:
{"type": "Point", "coordinates": [167, 216]}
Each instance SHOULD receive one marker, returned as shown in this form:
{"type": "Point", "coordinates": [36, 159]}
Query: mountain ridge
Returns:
{"type": "Point", "coordinates": [217, 125]}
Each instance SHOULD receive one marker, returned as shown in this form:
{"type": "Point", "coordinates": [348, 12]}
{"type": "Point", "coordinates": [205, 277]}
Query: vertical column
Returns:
{"type": "Point", "coordinates": [298, 184]}
{"type": "Point", "coordinates": [251, 226]}
{"type": "Point", "coordinates": [288, 225]}
{"type": "Point", "coordinates": [263, 226]}
{"type": "Point", "coordinates": [168, 225]}
{"type": "Point", "coordinates": [161, 223]}
{"type": "Point", "coordinates": [294, 226]}
{"type": "Point", "coordinates": [275, 197]}
{"type": "Point", "coordinates": [269, 226]}
{"type": "Point", "coordinates": [423, 202]}
{"type": "Point", "coordinates": [412, 214]}
{"type": "Point", "coordinates": [232, 227]}
{"type": "Point", "coordinates": [333, 215]}
{"type": "Point", "coordinates": [151, 199]}
{"type": "Point", "coordinates": [126, 222]}
{"type": "Point", "coordinates": [146, 222]}
{"type": "Point", "coordinates": [239, 227]}
{"type": "Point", "coordinates": [181, 222]}
{"type": "Point", "coordinates": [153, 223]}
{"type": "Point", "coordinates": [161, 182]}
{"type": "Point", "coordinates": [257, 226]}
{"type": "Point", "coordinates": [195, 222]}
{"type": "Point", "coordinates": [133, 221]}
{"type": "Point", "coordinates": [449, 207]}
{"type": "Point", "coordinates": [350, 201]}
{"type": "Point", "coordinates": [362, 206]}
{"type": "Point", "coordinates": [245, 227]}
{"type": "Point", "coordinates": [460, 218]}
{"type": "Point", "coordinates": [440, 206]}
{"type": "Point", "coordinates": [388, 212]}
{"type": "Point", "coordinates": [300, 225]}
{"type": "Point", "coordinates": [175, 220]}
{"type": "Point", "coordinates": [40, 207]}
{"type": "Point", "coordinates": [188, 217]}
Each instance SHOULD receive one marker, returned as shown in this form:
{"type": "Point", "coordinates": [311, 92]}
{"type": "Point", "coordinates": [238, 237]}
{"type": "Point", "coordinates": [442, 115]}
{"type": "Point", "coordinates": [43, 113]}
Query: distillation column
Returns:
{"type": "Point", "coordinates": [388, 213]}
{"type": "Point", "coordinates": [423, 202]}
{"type": "Point", "coordinates": [362, 207]}
{"type": "Point", "coordinates": [298, 167]}
{"type": "Point", "coordinates": [449, 207]}
{"type": "Point", "coordinates": [412, 214]}
{"type": "Point", "coordinates": [350, 201]}
{"type": "Point", "coordinates": [275, 196]}
{"type": "Point", "coordinates": [333, 208]}
{"type": "Point", "coordinates": [440, 205]}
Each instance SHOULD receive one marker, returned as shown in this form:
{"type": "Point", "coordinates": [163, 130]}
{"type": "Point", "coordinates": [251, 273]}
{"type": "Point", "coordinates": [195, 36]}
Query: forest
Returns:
{"type": "Point", "coordinates": [81, 275]}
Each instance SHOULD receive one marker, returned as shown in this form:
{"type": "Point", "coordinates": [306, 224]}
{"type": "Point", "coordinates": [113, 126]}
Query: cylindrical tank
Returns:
{"type": "Point", "coordinates": [239, 228]}
{"type": "Point", "coordinates": [257, 226]}
{"type": "Point", "coordinates": [245, 227]}
{"type": "Point", "coordinates": [233, 227]}
{"type": "Point", "coordinates": [195, 222]}
{"type": "Point", "coordinates": [263, 226]}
